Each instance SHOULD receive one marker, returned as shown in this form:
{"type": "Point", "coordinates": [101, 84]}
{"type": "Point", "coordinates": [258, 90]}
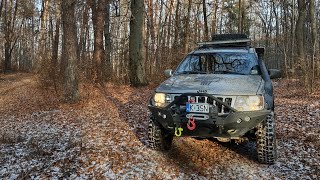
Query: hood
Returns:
{"type": "Point", "coordinates": [217, 84]}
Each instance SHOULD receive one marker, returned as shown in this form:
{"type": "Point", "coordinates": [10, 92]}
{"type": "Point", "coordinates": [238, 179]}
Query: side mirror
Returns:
{"type": "Point", "coordinates": [274, 73]}
{"type": "Point", "coordinates": [168, 72]}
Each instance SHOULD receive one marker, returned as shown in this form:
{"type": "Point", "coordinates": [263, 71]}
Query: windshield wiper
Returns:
{"type": "Point", "coordinates": [192, 72]}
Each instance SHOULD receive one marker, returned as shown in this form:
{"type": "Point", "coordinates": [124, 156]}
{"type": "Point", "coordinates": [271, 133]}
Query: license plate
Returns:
{"type": "Point", "coordinates": [197, 107]}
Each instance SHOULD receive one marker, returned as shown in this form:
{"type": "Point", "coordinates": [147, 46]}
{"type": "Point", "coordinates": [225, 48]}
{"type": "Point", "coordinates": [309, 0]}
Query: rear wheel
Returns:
{"type": "Point", "coordinates": [158, 138]}
{"type": "Point", "coordinates": [266, 140]}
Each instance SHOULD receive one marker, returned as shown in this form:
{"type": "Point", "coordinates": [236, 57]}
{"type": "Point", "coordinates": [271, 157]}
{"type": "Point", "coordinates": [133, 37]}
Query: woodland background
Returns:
{"type": "Point", "coordinates": [132, 42]}
{"type": "Point", "coordinates": [96, 52]}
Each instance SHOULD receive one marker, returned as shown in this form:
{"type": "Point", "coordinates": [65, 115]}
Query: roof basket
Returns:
{"type": "Point", "coordinates": [227, 40]}
{"type": "Point", "coordinates": [225, 37]}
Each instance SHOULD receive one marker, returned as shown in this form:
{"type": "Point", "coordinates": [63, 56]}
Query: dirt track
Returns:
{"type": "Point", "coordinates": [104, 136]}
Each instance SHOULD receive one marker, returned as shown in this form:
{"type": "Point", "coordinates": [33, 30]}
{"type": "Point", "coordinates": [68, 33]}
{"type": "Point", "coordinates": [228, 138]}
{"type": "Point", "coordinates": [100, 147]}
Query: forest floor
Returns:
{"type": "Point", "coordinates": [105, 137]}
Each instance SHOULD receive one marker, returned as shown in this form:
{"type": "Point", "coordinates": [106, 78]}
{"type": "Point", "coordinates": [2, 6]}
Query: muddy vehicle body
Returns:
{"type": "Point", "coordinates": [221, 90]}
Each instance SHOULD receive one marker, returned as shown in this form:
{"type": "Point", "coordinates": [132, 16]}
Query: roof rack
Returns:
{"type": "Point", "coordinates": [227, 40]}
{"type": "Point", "coordinates": [223, 37]}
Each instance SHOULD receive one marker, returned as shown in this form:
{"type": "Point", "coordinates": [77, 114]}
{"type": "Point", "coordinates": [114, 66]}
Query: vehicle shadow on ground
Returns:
{"type": "Point", "coordinates": [245, 149]}
{"type": "Point", "coordinates": [202, 158]}
{"type": "Point", "coordinates": [190, 160]}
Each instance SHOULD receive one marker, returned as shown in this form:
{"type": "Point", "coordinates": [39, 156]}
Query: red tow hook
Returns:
{"type": "Point", "coordinates": [191, 124]}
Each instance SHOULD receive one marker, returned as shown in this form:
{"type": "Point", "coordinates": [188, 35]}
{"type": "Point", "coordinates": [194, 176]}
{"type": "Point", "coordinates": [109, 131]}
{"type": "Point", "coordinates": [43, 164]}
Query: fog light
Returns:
{"type": "Point", "coordinates": [247, 118]}
{"type": "Point", "coordinates": [164, 116]}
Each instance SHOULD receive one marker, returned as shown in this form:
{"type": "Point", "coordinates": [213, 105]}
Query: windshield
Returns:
{"type": "Point", "coordinates": [219, 63]}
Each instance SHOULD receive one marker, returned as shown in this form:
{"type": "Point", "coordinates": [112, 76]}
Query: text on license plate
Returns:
{"type": "Point", "coordinates": [197, 107]}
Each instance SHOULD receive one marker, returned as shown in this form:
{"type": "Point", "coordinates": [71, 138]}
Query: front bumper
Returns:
{"type": "Point", "coordinates": [234, 124]}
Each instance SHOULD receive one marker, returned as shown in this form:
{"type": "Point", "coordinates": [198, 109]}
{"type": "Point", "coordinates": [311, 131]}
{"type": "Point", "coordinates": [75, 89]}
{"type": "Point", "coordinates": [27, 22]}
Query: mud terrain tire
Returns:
{"type": "Point", "coordinates": [158, 139]}
{"type": "Point", "coordinates": [266, 140]}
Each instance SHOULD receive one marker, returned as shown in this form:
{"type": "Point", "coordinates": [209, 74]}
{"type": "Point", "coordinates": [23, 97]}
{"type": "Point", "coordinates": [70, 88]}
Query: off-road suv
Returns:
{"type": "Point", "coordinates": [221, 90]}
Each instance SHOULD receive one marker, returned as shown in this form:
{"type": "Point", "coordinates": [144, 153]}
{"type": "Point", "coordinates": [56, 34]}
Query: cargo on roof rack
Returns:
{"type": "Point", "coordinates": [225, 37]}
{"type": "Point", "coordinates": [227, 40]}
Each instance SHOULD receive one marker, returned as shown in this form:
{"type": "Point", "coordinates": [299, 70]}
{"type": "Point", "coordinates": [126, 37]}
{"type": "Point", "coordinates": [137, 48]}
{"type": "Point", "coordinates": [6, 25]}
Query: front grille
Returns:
{"type": "Point", "coordinates": [204, 99]}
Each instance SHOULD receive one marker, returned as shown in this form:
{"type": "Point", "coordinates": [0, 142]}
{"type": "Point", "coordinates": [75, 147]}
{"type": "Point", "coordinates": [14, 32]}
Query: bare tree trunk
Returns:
{"type": "Point", "coordinates": [240, 17]}
{"type": "Point", "coordinates": [214, 17]}
{"type": "Point", "coordinates": [70, 49]}
{"type": "Point", "coordinates": [300, 31]}
{"type": "Point", "coordinates": [293, 33]}
{"type": "Point", "coordinates": [169, 25]}
{"type": "Point", "coordinates": [313, 39]}
{"type": "Point", "coordinates": [10, 14]}
{"type": "Point", "coordinates": [277, 19]}
{"type": "Point", "coordinates": [197, 12]}
{"type": "Point", "coordinates": [176, 26]}
{"type": "Point", "coordinates": [186, 28]}
{"type": "Point", "coordinates": [136, 47]}
{"type": "Point", "coordinates": [7, 61]}
{"type": "Point", "coordinates": [42, 41]}
{"type": "Point", "coordinates": [107, 66]}
{"type": "Point", "coordinates": [1, 7]}
{"type": "Point", "coordinates": [159, 29]}
{"type": "Point", "coordinates": [83, 33]}
{"type": "Point", "coordinates": [55, 46]}
{"type": "Point", "coordinates": [98, 15]}
{"type": "Point", "coordinates": [150, 33]}
{"type": "Point", "coordinates": [300, 41]}
{"type": "Point", "coordinates": [7, 23]}
{"type": "Point", "coordinates": [205, 19]}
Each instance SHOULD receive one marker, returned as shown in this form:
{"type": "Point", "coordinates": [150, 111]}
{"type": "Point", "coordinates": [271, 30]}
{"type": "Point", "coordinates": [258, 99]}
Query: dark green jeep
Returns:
{"type": "Point", "coordinates": [221, 90]}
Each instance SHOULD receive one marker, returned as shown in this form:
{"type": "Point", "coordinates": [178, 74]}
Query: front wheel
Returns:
{"type": "Point", "coordinates": [266, 140]}
{"type": "Point", "coordinates": [158, 138]}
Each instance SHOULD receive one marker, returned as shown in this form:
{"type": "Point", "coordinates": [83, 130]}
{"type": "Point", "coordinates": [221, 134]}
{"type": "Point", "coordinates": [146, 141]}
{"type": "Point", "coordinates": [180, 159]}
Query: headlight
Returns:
{"type": "Point", "coordinates": [249, 103]}
{"type": "Point", "coordinates": [161, 99]}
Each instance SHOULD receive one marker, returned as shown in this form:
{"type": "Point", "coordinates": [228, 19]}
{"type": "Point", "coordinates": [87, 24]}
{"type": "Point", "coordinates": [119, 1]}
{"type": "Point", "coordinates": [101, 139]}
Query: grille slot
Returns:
{"type": "Point", "coordinates": [229, 102]}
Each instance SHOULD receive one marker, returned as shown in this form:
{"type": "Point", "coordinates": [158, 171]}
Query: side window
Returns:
{"type": "Point", "coordinates": [190, 63]}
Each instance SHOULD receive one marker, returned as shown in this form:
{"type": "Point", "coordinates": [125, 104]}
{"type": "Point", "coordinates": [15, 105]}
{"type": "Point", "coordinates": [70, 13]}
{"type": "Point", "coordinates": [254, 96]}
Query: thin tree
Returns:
{"type": "Point", "coordinates": [106, 62]}
{"type": "Point", "coordinates": [55, 45]}
{"type": "Point", "coordinates": [70, 49]}
{"type": "Point", "coordinates": [240, 17]}
{"type": "Point", "coordinates": [1, 6]}
{"type": "Point", "coordinates": [313, 39]}
{"type": "Point", "coordinates": [187, 28]}
{"type": "Point", "coordinates": [42, 40]}
{"type": "Point", "coordinates": [136, 46]}
{"type": "Point", "coordinates": [205, 19]}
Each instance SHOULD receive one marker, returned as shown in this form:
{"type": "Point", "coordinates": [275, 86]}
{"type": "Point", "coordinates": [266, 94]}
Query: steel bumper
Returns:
{"type": "Point", "coordinates": [234, 124]}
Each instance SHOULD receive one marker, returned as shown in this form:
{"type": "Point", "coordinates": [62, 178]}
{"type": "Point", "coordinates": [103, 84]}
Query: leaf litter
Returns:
{"type": "Point", "coordinates": [105, 137]}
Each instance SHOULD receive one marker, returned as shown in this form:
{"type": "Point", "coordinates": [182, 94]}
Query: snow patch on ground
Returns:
{"type": "Point", "coordinates": [105, 136]}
